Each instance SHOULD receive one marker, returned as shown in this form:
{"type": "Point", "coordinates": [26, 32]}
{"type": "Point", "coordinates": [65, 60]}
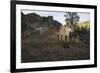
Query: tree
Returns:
{"type": "Point", "coordinates": [72, 19]}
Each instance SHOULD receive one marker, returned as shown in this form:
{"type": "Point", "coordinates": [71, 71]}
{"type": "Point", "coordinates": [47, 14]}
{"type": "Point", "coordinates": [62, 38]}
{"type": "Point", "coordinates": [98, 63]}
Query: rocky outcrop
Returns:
{"type": "Point", "coordinates": [34, 21]}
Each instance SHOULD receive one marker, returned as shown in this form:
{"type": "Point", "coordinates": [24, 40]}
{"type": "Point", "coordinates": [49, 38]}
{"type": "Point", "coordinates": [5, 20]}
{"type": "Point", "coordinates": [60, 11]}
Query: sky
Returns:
{"type": "Point", "coordinates": [59, 16]}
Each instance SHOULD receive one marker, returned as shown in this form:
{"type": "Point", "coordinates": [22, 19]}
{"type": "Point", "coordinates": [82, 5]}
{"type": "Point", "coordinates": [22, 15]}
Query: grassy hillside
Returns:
{"type": "Point", "coordinates": [85, 24]}
{"type": "Point", "coordinates": [39, 43]}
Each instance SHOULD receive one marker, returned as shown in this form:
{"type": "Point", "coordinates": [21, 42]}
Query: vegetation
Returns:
{"type": "Point", "coordinates": [40, 43]}
{"type": "Point", "coordinates": [81, 30]}
{"type": "Point", "coordinates": [72, 19]}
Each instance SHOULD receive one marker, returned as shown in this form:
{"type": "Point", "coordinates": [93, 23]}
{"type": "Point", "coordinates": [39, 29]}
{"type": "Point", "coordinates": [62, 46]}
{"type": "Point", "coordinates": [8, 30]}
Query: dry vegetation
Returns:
{"type": "Point", "coordinates": [45, 46]}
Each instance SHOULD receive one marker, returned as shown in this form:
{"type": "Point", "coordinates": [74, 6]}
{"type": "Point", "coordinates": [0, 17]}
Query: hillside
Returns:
{"type": "Point", "coordinates": [39, 41]}
{"type": "Point", "coordinates": [85, 24]}
{"type": "Point", "coordinates": [33, 20]}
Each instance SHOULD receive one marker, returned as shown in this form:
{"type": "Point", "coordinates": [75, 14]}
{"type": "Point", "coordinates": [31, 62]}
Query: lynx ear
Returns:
{"type": "Point", "coordinates": [70, 30]}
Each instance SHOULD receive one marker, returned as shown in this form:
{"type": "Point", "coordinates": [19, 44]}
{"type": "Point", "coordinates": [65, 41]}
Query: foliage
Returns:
{"type": "Point", "coordinates": [72, 19]}
{"type": "Point", "coordinates": [83, 34]}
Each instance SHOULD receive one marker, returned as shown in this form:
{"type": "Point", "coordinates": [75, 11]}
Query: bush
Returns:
{"type": "Point", "coordinates": [83, 34]}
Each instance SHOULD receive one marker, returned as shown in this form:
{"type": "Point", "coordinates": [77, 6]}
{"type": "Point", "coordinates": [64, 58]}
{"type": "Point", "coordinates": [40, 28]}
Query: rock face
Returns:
{"type": "Point", "coordinates": [34, 22]}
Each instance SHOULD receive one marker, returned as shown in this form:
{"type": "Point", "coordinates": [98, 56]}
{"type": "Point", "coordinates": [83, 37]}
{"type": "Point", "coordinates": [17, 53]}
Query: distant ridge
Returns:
{"type": "Point", "coordinates": [84, 24]}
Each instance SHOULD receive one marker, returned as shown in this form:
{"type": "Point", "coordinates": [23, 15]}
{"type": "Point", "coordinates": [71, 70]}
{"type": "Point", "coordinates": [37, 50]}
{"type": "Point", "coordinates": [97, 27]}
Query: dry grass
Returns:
{"type": "Point", "coordinates": [47, 47]}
